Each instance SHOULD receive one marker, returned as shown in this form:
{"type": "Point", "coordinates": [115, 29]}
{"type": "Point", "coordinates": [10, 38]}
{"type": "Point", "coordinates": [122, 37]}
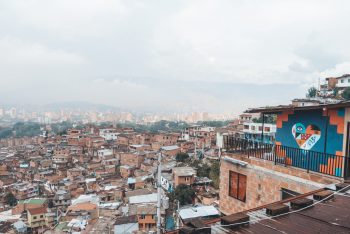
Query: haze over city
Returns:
{"type": "Point", "coordinates": [174, 117]}
{"type": "Point", "coordinates": [214, 56]}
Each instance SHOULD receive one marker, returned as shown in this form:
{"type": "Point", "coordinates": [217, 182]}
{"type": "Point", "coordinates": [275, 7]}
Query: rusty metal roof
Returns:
{"type": "Point", "coordinates": [332, 216]}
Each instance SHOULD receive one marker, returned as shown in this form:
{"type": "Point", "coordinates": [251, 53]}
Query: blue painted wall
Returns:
{"type": "Point", "coordinates": [315, 117]}
{"type": "Point", "coordinates": [324, 163]}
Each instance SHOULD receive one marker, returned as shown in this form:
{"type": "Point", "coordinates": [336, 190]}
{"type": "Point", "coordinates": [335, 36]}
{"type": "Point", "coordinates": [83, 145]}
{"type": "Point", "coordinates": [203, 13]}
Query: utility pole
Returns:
{"type": "Point", "coordinates": [159, 190]}
{"type": "Point", "coordinates": [195, 145]}
{"type": "Point", "coordinates": [177, 221]}
{"type": "Point", "coordinates": [203, 151]}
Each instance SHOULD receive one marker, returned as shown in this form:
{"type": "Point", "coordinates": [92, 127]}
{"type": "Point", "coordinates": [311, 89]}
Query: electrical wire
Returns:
{"type": "Point", "coordinates": [276, 216]}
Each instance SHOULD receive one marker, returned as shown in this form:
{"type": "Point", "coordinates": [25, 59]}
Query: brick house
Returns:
{"type": "Point", "coordinates": [29, 204]}
{"type": "Point", "coordinates": [126, 171]}
{"type": "Point", "coordinates": [132, 159]}
{"type": "Point", "coordinates": [81, 209]}
{"type": "Point", "coordinates": [170, 150]}
{"type": "Point", "coordinates": [146, 216]}
{"type": "Point", "coordinates": [183, 175]}
{"type": "Point", "coordinates": [36, 217]}
{"type": "Point", "coordinates": [62, 199]}
{"type": "Point", "coordinates": [310, 152]}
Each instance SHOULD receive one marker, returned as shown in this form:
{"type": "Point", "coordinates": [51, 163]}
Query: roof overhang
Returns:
{"type": "Point", "coordinates": [278, 109]}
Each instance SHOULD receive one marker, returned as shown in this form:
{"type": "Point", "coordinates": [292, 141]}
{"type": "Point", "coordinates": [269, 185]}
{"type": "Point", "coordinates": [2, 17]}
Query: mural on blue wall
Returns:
{"type": "Point", "coordinates": [311, 123]}
{"type": "Point", "coordinates": [312, 130]}
{"type": "Point", "coordinates": [306, 138]}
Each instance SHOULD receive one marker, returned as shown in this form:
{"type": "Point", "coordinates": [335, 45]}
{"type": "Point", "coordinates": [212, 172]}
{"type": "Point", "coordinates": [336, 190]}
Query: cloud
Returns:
{"type": "Point", "coordinates": [15, 51]}
{"type": "Point", "coordinates": [338, 70]}
{"type": "Point", "coordinates": [253, 42]}
{"type": "Point", "coordinates": [174, 55]}
{"type": "Point", "coordinates": [67, 19]}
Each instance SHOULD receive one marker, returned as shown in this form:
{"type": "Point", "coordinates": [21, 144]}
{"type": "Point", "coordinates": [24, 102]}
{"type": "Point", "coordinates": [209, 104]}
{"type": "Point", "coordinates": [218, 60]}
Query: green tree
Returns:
{"type": "Point", "coordinates": [346, 94]}
{"type": "Point", "coordinates": [269, 118]}
{"type": "Point", "coordinates": [214, 123]}
{"type": "Point", "coordinates": [214, 174]}
{"type": "Point", "coordinates": [5, 133]}
{"type": "Point", "coordinates": [50, 203]}
{"type": "Point", "coordinates": [335, 91]}
{"type": "Point", "coordinates": [203, 170]}
{"type": "Point", "coordinates": [311, 92]}
{"type": "Point", "coordinates": [182, 157]}
{"type": "Point", "coordinates": [184, 194]}
{"type": "Point", "coordinates": [11, 199]}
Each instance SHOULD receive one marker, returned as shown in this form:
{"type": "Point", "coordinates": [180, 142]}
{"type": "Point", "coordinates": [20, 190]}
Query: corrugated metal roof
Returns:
{"type": "Point", "coordinates": [200, 211]}
{"type": "Point", "coordinates": [332, 216]}
{"type": "Point", "coordinates": [170, 147]}
{"type": "Point", "coordinates": [148, 198]}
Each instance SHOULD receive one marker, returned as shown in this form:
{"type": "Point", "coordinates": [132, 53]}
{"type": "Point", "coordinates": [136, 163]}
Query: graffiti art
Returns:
{"type": "Point", "coordinates": [306, 138]}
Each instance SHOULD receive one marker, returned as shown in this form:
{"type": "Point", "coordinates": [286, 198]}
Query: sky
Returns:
{"type": "Point", "coordinates": [176, 56]}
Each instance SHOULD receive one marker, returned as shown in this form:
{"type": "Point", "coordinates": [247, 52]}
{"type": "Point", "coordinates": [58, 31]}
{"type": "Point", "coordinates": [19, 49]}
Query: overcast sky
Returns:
{"type": "Point", "coordinates": [172, 55]}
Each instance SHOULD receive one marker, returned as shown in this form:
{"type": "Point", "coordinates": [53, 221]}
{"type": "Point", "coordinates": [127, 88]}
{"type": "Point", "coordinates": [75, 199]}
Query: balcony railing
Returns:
{"type": "Point", "coordinates": [330, 164]}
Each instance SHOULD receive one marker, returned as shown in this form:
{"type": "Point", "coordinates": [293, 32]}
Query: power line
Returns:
{"type": "Point", "coordinates": [276, 216]}
{"type": "Point", "coordinates": [158, 195]}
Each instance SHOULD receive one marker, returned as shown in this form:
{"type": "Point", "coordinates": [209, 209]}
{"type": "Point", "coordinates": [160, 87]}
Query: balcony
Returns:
{"type": "Point", "coordinates": [329, 164]}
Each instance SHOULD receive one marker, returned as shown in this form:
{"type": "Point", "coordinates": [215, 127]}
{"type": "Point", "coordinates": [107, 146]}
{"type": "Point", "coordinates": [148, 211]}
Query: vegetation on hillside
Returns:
{"type": "Point", "coordinates": [182, 157]}
{"type": "Point", "coordinates": [22, 129]}
{"type": "Point", "coordinates": [163, 125]}
{"type": "Point", "coordinates": [211, 171]}
{"type": "Point", "coordinates": [183, 193]}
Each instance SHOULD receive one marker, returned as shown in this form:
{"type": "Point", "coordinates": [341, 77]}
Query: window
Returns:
{"type": "Point", "coordinates": [260, 128]}
{"type": "Point", "coordinates": [341, 81]}
{"type": "Point", "coordinates": [348, 80]}
{"type": "Point", "coordinates": [142, 216]}
{"type": "Point", "coordinates": [253, 128]}
{"type": "Point", "coordinates": [34, 217]}
{"type": "Point", "coordinates": [41, 216]}
{"type": "Point", "coordinates": [267, 129]}
{"type": "Point", "coordinates": [150, 225]}
{"type": "Point", "coordinates": [237, 186]}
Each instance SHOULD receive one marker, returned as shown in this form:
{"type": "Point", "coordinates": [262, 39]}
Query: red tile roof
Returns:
{"type": "Point", "coordinates": [35, 211]}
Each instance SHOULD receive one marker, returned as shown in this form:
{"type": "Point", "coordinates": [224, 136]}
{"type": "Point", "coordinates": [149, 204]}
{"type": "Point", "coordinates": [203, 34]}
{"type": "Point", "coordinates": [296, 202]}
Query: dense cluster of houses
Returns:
{"type": "Point", "coordinates": [104, 180]}
{"type": "Point", "coordinates": [96, 180]}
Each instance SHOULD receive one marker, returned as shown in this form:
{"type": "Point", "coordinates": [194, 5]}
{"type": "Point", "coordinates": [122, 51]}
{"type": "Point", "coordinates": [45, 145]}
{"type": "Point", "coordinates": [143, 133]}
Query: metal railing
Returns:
{"type": "Point", "coordinates": [330, 164]}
